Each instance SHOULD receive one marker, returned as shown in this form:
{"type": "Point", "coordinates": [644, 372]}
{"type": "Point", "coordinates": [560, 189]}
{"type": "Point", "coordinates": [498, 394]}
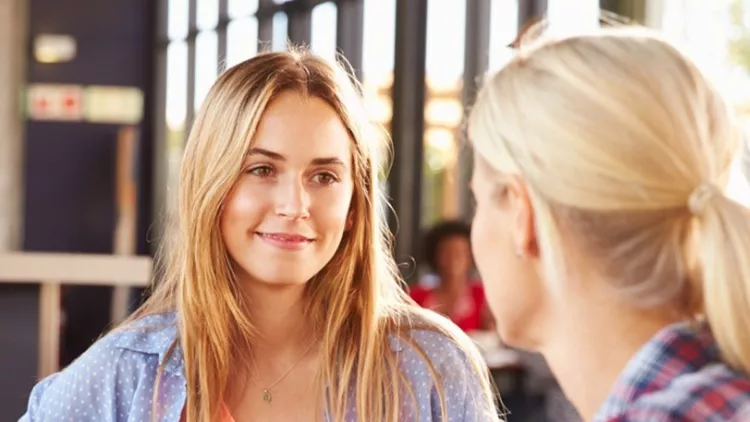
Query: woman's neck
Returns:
{"type": "Point", "coordinates": [284, 339]}
{"type": "Point", "coordinates": [278, 314]}
{"type": "Point", "coordinates": [590, 346]}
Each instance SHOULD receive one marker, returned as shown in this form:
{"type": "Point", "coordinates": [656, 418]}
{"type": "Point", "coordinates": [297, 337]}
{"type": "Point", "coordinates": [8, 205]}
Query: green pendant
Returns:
{"type": "Point", "coordinates": [267, 396]}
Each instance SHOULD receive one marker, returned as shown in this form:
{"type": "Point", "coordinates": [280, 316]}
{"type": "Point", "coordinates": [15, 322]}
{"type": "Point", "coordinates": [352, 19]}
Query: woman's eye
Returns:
{"type": "Point", "coordinates": [261, 171]}
{"type": "Point", "coordinates": [325, 178]}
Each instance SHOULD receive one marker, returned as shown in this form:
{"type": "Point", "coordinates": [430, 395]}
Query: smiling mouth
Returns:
{"type": "Point", "coordinates": [285, 240]}
{"type": "Point", "coordinates": [285, 237]}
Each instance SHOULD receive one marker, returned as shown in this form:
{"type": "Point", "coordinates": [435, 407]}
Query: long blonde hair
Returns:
{"type": "Point", "coordinates": [356, 301]}
{"type": "Point", "coordinates": [625, 147]}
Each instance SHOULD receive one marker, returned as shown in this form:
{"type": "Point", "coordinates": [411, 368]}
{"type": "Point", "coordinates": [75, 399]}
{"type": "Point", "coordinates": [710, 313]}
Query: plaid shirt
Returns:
{"type": "Point", "coordinates": [678, 376]}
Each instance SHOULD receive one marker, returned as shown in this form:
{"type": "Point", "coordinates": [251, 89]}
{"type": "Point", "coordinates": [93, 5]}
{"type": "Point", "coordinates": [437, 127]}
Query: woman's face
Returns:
{"type": "Point", "coordinates": [286, 216]}
{"type": "Point", "coordinates": [502, 240]}
{"type": "Point", "coordinates": [453, 257]}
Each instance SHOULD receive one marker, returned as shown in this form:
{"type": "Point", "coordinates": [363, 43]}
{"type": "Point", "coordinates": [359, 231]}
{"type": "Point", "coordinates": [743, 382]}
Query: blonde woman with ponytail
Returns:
{"type": "Point", "coordinates": [602, 231]}
{"type": "Point", "coordinates": [280, 300]}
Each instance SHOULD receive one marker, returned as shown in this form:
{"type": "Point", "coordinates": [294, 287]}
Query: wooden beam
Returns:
{"type": "Point", "coordinates": [49, 329]}
{"type": "Point", "coordinates": [126, 229]}
{"type": "Point", "coordinates": [90, 269]}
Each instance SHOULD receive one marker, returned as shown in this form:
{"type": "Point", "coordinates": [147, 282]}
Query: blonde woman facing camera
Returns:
{"type": "Point", "coordinates": [602, 233]}
{"type": "Point", "coordinates": [280, 300]}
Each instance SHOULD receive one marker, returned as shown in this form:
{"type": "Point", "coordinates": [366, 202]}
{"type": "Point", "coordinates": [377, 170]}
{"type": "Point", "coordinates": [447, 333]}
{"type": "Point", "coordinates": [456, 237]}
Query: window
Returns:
{"type": "Point", "coordinates": [280, 31]}
{"type": "Point", "coordinates": [717, 36]}
{"type": "Point", "coordinates": [176, 82]}
{"type": "Point", "coordinates": [241, 8]}
{"type": "Point", "coordinates": [177, 22]}
{"type": "Point", "coordinates": [175, 91]}
{"type": "Point", "coordinates": [378, 46]}
{"type": "Point", "coordinates": [242, 31]}
{"type": "Point", "coordinates": [207, 14]}
{"type": "Point", "coordinates": [503, 30]}
{"type": "Point", "coordinates": [242, 40]}
{"type": "Point", "coordinates": [176, 98]}
{"type": "Point", "coordinates": [324, 30]}
{"type": "Point", "coordinates": [446, 27]}
{"type": "Point", "coordinates": [206, 64]}
{"type": "Point", "coordinates": [194, 50]}
{"type": "Point", "coordinates": [577, 16]}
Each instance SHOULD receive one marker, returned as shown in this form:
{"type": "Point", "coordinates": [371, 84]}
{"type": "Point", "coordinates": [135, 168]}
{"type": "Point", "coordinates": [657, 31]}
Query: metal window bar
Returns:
{"type": "Point", "coordinates": [221, 33]}
{"type": "Point", "coordinates": [405, 178]}
{"type": "Point", "coordinates": [350, 32]}
{"type": "Point", "coordinates": [191, 39]}
{"type": "Point", "coordinates": [530, 11]}
{"type": "Point", "coordinates": [476, 62]}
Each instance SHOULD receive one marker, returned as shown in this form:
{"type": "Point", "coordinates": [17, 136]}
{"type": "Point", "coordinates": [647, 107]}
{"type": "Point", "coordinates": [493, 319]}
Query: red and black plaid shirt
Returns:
{"type": "Point", "coordinates": [678, 376]}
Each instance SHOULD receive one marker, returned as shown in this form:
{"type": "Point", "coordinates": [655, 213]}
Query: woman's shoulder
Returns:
{"type": "Point", "coordinates": [432, 336]}
{"type": "Point", "coordinates": [117, 372]}
{"type": "Point", "coordinates": [145, 338]}
{"type": "Point", "coordinates": [679, 375]}
{"type": "Point", "coordinates": [714, 392]}
{"type": "Point", "coordinates": [431, 353]}
{"type": "Point", "coordinates": [152, 334]}
{"type": "Point", "coordinates": [428, 344]}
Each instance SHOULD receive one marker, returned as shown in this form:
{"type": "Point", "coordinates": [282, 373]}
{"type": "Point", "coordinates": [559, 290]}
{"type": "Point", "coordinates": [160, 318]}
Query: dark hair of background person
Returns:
{"type": "Point", "coordinates": [438, 233]}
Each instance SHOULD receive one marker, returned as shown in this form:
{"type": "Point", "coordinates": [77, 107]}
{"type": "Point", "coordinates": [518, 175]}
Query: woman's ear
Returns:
{"type": "Point", "coordinates": [524, 230]}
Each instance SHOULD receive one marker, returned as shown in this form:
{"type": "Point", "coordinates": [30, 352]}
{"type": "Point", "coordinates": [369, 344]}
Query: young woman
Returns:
{"type": "Point", "coordinates": [280, 300]}
{"type": "Point", "coordinates": [458, 296]}
{"type": "Point", "coordinates": [602, 232]}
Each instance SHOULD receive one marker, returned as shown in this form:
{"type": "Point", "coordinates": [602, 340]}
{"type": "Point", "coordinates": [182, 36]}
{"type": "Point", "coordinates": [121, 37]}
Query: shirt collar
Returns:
{"type": "Point", "coordinates": [678, 349]}
{"type": "Point", "coordinates": [156, 335]}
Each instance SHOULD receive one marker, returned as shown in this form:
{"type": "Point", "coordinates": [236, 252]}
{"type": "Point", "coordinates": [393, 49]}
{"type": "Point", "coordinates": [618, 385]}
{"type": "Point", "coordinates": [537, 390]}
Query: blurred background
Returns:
{"type": "Point", "coordinates": [97, 98]}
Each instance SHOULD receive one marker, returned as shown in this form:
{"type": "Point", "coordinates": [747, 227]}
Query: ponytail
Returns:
{"type": "Point", "coordinates": [725, 258]}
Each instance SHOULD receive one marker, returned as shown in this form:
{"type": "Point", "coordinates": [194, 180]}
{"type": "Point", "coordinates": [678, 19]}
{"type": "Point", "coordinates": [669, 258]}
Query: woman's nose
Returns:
{"type": "Point", "coordinates": [293, 200]}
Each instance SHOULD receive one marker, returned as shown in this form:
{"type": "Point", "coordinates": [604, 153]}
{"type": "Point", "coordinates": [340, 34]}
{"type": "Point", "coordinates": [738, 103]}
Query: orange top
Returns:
{"type": "Point", "coordinates": [225, 415]}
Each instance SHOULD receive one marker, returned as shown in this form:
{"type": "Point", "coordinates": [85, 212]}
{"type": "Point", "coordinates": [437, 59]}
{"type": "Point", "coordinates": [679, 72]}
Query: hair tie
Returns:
{"type": "Point", "coordinates": [701, 196]}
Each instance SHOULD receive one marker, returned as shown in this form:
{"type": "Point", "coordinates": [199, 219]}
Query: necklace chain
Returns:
{"type": "Point", "coordinates": [267, 397]}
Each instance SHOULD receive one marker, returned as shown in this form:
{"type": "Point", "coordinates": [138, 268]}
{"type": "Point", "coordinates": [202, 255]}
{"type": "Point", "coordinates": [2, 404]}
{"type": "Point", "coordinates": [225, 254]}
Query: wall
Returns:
{"type": "Point", "coordinates": [69, 201]}
{"type": "Point", "coordinates": [68, 171]}
{"type": "Point", "coordinates": [17, 337]}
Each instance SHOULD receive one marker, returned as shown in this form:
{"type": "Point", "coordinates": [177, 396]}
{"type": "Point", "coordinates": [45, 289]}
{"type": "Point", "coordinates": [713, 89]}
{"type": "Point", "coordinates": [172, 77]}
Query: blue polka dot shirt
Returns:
{"type": "Point", "coordinates": [114, 380]}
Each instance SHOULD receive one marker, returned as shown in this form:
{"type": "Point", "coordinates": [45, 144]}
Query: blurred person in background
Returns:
{"type": "Point", "coordinates": [602, 230]}
{"type": "Point", "coordinates": [456, 293]}
{"type": "Point", "coordinates": [280, 300]}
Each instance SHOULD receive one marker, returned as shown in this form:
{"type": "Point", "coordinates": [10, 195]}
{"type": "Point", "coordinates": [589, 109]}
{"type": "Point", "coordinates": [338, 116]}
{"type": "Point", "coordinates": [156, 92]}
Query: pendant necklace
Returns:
{"type": "Point", "coordinates": [267, 397]}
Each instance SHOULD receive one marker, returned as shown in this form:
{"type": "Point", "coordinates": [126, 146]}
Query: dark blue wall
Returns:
{"type": "Point", "coordinates": [69, 203]}
{"type": "Point", "coordinates": [69, 176]}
